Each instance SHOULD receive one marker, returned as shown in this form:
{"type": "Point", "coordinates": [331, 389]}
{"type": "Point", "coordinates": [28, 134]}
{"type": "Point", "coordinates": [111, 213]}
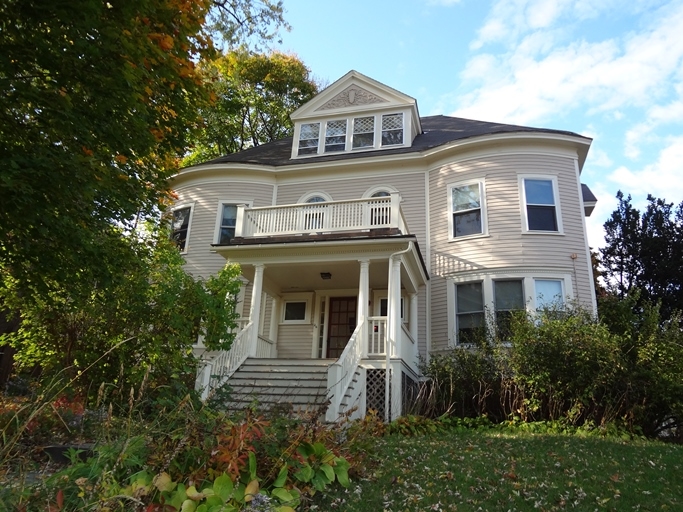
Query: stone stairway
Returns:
{"type": "Point", "coordinates": [296, 385]}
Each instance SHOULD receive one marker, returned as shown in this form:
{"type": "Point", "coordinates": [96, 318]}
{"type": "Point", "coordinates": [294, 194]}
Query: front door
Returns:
{"type": "Point", "coordinates": [341, 324]}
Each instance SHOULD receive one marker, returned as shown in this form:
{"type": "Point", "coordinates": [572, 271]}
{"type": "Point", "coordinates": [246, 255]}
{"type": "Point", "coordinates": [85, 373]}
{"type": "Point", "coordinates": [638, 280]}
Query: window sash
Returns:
{"type": "Point", "coordinates": [309, 135]}
{"type": "Point", "coordinates": [549, 292]}
{"type": "Point", "coordinates": [469, 311]}
{"type": "Point", "coordinates": [467, 210]}
{"type": "Point", "coordinates": [392, 129]}
{"type": "Point", "coordinates": [363, 132]}
{"type": "Point", "coordinates": [180, 225]}
{"type": "Point", "coordinates": [228, 223]}
{"type": "Point", "coordinates": [541, 211]}
{"type": "Point", "coordinates": [295, 310]}
{"type": "Point", "coordinates": [335, 136]}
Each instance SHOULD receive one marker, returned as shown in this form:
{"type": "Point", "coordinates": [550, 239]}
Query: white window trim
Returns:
{"type": "Point", "coordinates": [308, 195]}
{"type": "Point", "coordinates": [484, 216]}
{"type": "Point", "coordinates": [377, 140]}
{"type": "Point", "coordinates": [378, 295]}
{"type": "Point", "coordinates": [219, 214]}
{"type": "Point", "coordinates": [556, 197]}
{"type": "Point", "coordinates": [378, 188]}
{"type": "Point", "coordinates": [306, 297]}
{"type": "Point", "coordinates": [180, 206]}
{"type": "Point", "coordinates": [528, 276]}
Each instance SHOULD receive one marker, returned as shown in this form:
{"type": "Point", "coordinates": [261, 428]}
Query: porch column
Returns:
{"type": "Point", "coordinates": [255, 307]}
{"type": "Point", "coordinates": [363, 308]}
{"type": "Point", "coordinates": [413, 316]}
{"type": "Point", "coordinates": [274, 323]}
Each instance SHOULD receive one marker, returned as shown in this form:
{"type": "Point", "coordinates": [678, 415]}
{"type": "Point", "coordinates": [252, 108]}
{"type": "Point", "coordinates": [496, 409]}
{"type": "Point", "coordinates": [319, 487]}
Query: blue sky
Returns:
{"type": "Point", "coordinates": [608, 69]}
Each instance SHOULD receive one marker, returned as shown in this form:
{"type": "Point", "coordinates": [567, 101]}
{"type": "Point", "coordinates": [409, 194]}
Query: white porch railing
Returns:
{"type": "Point", "coordinates": [220, 368]}
{"type": "Point", "coordinates": [265, 348]}
{"type": "Point", "coordinates": [352, 215]}
{"type": "Point", "coordinates": [341, 372]}
{"type": "Point", "coordinates": [377, 335]}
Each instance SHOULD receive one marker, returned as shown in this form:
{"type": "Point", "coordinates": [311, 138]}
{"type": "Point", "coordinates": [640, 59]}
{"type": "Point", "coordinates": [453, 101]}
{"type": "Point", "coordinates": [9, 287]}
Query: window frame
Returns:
{"type": "Point", "coordinates": [381, 295]}
{"type": "Point", "coordinates": [219, 215]}
{"type": "Point", "coordinates": [182, 206]}
{"type": "Point", "coordinates": [524, 204]}
{"type": "Point", "coordinates": [346, 136]}
{"type": "Point", "coordinates": [482, 208]}
{"type": "Point", "coordinates": [377, 133]}
{"type": "Point", "coordinates": [305, 297]}
{"type": "Point", "coordinates": [529, 276]}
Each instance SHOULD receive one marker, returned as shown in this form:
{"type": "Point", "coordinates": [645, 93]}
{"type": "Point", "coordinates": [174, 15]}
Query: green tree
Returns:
{"type": "Point", "coordinates": [253, 95]}
{"type": "Point", "coordinates": [149, 317]}
{"type": "Point", "coordinates": [645, 251]}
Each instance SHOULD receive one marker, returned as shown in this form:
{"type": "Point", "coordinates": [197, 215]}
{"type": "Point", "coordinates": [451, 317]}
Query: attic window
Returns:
{"type": "Point", "coordinates": [335, 136]}
{"type": "Point", "coordinates": [392, 129]}
{"type": "Point", "coordinates": [363, 132]}
{"type": "Point", "coordinates": [308, 138]}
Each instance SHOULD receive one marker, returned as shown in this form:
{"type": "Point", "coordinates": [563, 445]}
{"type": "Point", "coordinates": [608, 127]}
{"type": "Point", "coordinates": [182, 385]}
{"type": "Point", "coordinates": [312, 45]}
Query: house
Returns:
{"type": "Point", "coordinates": [374, 237]}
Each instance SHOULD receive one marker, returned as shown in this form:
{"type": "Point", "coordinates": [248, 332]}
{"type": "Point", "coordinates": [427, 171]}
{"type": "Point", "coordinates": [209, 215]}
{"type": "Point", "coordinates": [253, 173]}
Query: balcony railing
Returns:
{"type": "Point", "coordinates": [333, 216]}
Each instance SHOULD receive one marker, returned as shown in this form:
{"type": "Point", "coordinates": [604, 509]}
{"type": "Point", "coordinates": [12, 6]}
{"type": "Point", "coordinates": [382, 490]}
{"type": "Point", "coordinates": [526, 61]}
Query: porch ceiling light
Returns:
{"type": "Point", "coordinates": [325, 275]}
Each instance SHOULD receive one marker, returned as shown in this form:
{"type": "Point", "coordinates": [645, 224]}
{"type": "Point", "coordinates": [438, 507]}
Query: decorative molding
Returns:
{"type": "Point", "coordinates": [350, 97]}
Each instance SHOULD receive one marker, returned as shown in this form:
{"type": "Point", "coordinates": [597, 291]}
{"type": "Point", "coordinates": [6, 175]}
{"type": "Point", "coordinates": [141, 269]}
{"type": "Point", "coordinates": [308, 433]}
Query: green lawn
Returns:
{"type": "Point", "coordinates": [495, 471]}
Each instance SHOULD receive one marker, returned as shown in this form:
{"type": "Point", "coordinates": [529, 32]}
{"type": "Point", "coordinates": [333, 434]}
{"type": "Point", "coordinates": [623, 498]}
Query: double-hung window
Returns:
{"type": "Point", "coordinates": [228, 221]}
{"type": "Point", "coordinates": [363, 132]}
{"type": "Point", "coordinates": [335, 136]}
{"type": "Point", "coordinates": [469, 311]}
{"type": "Point", "coordinates": [508, 296]}
{"type": "Point", "coordinates": [541, 206]}
{"type": "Point", "coordinates": [309, 136]}
{"type": "Point", "coordinates": [392, 129]}
{"type": "Point", "coordinates": [467, 210]}
{"type": "Point", "coordinates": [549, 293]}
{"type": "Point", "coordinates": [180, 226]}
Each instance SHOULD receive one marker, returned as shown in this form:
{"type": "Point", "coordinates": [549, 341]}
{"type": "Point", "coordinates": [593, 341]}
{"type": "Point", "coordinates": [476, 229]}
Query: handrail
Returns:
{"type": "Point", "coordinates": [226, 362]}
{"type": "Point", "coordinates": [341, 372]}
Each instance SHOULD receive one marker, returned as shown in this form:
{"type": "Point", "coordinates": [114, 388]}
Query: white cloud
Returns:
{"type": "Point", "coordinates": [538, 78]}
{"type": "Point", "coordinates": [662, 178]}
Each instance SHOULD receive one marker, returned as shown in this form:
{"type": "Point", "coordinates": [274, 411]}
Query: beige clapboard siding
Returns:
{"type": "Point", "coordinates": [294, 341]}
{"type": "Point", "coordinates": [506, 245]}
{"type": "Point", "coordinates": [439, 323]}
{"type": "Point", "coordinates": [200, 261]}
{"type": "Point", "coordinates": [411, 187]}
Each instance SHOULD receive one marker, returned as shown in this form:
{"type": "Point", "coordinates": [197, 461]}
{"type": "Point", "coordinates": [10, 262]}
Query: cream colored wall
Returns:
{"type": "Point", "coordinates": [294, 341]}
{"type": "Point", "coordinates": [505, 246]}
{"type": "Point", "coordinates": [200, 261]}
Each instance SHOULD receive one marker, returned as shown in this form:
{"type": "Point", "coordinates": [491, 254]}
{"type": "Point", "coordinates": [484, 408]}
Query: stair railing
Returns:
{"type": "Point", "coordinates": [341, 372]}
{"type": "Point", "coordinates": [219, 368]}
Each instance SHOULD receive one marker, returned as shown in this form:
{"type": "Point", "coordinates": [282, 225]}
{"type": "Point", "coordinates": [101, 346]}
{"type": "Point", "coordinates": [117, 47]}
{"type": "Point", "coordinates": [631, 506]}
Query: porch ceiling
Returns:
{"type": "Point", "coordinates": [298, 277]}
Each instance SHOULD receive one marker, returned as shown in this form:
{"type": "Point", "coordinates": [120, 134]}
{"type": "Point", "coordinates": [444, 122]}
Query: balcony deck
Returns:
{"type": "Point", "coordinates": [375, 216]}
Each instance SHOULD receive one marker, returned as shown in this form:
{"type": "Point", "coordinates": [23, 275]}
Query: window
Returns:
{"type": "Point", "coordinates": [367, 132]}
{"type": "Point", "coordinates": [335, 136]}
{"type": "Point", "coordinates": [548, 293]}
{"type": "Point", "coordinates": [392, 129]}
{"type": "Point", "coordinates": [380, 213]}
{"type": "Point", "coordinates": [297, 308]}
{"type": "Point", "coordinates": [308, 139]}
{"type": "Point", "coordinates": [295, 311]}
{"type": "Point", "coordinates": [180, 226]}
{"type": "Point", "coordinates": [469, 308]}
{"type": "Point", "coordinates": [363, 132]}
{"type": "Point", "coordinates": [314, 216]}
{"type": "Point", "coordinates": [384, 308]}
{"type": "Point", "coordinates": [466, 202]}
{"type": "Point", "coordinates": [508, 297]}
{"type": "Point", "coordinates": [227, 223]}
{"type": "Point", "coordinates": [541, 205]}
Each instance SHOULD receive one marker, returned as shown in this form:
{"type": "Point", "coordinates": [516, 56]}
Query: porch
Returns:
{"type": "Point", "coordinates": [337, 283]}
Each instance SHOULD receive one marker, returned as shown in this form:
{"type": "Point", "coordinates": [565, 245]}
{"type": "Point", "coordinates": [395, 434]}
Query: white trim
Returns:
{"type": "Point", "coordinates": [589, 261]}
{"type": "Point", "coordinates": [528, 277]}
{"type": "Point", "coordinates": [482, 207]}
{"type": "Point", "coordinates": [523, 203]}
{"type": "Point", "coordinates": [219, 214]}
{"type": "Point", "coordinates": [379, 188]}
{"type": "Point", "coordinates": [180, 206]}
{"type": "Point", "coordinates": [287, 298]}
{"type": "Point", "coordinates": [308, 195]}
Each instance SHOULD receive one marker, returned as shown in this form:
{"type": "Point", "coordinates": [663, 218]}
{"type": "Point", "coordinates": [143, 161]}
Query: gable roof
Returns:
{"type": "Point", "coordinates": [436, 131]}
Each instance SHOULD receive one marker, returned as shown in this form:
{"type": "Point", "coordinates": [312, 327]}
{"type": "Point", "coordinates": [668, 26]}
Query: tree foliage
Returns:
{"type": "Point", "coordinates": [645, 251]}
{"type": "Point", "coordinates": [253, 95]}
{"type": "Point", "coordinates": [148, 318]}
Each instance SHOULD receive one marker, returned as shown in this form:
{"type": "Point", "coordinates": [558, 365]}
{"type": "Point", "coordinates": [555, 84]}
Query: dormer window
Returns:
{"type": "Point", "coordinates": [363, 132]}
{"type": "Point", "coordinates": [308, 138]}
{"type": "Point", "coordinates": [392, 129]}
{"type": "Point", "coordinates": [335, 136]}
{"type": "Point", "coordinates": [351, 134]}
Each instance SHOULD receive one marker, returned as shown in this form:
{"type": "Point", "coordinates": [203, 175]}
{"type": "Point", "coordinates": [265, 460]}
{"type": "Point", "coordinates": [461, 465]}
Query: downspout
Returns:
{"type": "Point", "coordinates": [387, 348]}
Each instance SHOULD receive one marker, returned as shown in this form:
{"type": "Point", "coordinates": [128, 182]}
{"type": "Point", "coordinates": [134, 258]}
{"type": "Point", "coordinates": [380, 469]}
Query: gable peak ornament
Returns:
{"type": "Point", "coordinates": [352, 96]}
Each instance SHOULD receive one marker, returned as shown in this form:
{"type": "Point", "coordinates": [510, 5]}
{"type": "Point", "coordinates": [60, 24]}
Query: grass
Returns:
{"type": "Point", "coordinates": [498, 471]}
